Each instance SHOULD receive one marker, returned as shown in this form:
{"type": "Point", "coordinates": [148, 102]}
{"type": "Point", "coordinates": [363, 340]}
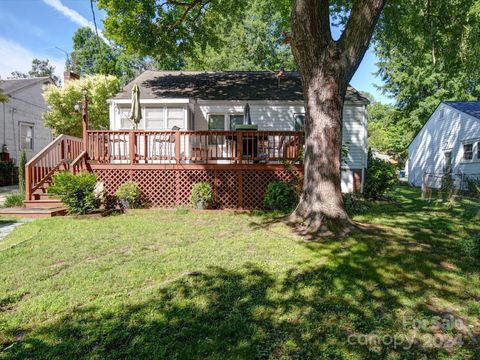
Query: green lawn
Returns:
{"type": "Point", "coordinates": [166, 284]}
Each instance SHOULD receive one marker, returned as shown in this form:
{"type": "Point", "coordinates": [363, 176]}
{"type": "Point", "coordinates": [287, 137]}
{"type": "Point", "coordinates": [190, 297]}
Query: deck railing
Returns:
{"type": "Point", "coordinates": [60, 153]}
{"type": "Point", "coordinates": [175, 147]}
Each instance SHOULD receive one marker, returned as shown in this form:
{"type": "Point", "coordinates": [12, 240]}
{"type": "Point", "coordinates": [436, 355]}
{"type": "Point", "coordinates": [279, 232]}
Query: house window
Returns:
{"type": "Point", "coordinates": [447, 164]}
{"type": "Point", "coordinates": [468, 151]}
{"type": "Point", "coordinates": [299, 122]}
{"type": "Point", "coordinates": [175, 117]}
{"type": "Point", "coordinates": [155, 119]}
{"type": "Point", "coordinates": [235, 120]}
{"type": "Point", "coordinates": [26, 136]}
{"type": "Point", "coordinates": [125, 122]}
{"type": "Point", "coordinates": [216, 122]}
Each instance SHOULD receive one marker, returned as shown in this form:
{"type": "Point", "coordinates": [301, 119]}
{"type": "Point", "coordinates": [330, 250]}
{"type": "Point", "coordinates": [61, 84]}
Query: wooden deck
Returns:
{"type": "Point", "coordinates": [238, 164]}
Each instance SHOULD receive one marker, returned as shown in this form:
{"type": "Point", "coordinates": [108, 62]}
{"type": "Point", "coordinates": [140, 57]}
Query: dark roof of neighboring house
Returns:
{"type": "Point", "coordinates": [224, 85]}
{"type": "Point", "coordinates": [13, 85]}
{"type": "Point", "coordinates": [471, 108]}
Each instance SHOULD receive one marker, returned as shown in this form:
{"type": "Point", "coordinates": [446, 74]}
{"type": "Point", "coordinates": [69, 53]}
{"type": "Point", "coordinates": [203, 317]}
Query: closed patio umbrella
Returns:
{"type": "Point", "coordinates": [136, 111]}
{"type": "Point", "coordinates": [247, 119]}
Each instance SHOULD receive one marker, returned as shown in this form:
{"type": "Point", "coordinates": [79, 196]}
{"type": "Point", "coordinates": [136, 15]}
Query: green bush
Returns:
{"type": "Point", "coordinates": [355, 203]}
{"type": "Point", "coordinates": [279, 196]}
{"type": "Point", "coordinates": [75, 191]}
{"type": "Point", "coordinates": [471, 246]}
{"type": "Point", "coordinates": [380, 177]}
{"type": "Point", "coordinates": [129, 194]}
{"type": "Point", "coordinates": [14, 200]}
{"type": "Point", "coordinates": [21, 171]}
{"type": "Point", "coordinates": [473, 185]}
{"type": "Point", "coordinates": [201, 195]}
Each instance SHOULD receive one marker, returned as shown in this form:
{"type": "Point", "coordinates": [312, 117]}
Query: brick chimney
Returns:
{"type": "Point", "coordinates": [70, 76]}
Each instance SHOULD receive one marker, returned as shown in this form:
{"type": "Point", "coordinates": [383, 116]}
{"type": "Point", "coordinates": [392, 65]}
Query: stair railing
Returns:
{"type": "Point", "coordinates": [58, 155]}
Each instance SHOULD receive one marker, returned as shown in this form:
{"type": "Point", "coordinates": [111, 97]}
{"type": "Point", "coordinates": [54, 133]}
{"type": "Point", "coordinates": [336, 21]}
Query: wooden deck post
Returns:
{"type": "Point", "coordinates": [177, 147]}
{"type": "Point", "coordinates": [239, 146]}
{"type": "Point", "coordinates": [131, 147]}
{"type": "Point", "coordinates": [85, 120]}
{"type": "Point", "coordinates": [28, 183]}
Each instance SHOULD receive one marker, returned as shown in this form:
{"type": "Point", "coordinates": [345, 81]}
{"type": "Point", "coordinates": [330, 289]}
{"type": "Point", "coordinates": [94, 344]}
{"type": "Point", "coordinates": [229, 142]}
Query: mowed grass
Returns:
{"type": "Point", "coordinates": [210, 285]}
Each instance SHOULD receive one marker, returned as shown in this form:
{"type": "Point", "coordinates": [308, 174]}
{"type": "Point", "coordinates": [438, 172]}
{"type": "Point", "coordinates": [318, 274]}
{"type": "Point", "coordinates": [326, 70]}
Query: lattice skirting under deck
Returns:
{"type": "Point", "coordinates": [233, 188]}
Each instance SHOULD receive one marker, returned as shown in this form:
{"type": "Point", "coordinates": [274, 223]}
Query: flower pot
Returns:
{"type": "Point", "coordinates": [200, 206]}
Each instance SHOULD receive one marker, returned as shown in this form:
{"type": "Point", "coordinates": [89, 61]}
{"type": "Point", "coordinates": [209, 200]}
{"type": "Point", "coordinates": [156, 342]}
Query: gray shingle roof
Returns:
{"type": "Point", "coordinates": [471, 108]}
{"type": "Point", "coordinates": [225, 85]}
{"type": "Point", "coordinates": [12, 85]}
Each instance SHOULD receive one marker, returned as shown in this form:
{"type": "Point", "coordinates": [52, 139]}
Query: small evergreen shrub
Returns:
{"type": "Point", "coordinates": [14, 200]}
{"type": "Point", "coordinates": [279, 196]}
{"type": "Point", "coordinates": [201, 195]}
{"type": "Point", "coordinates": [471, 246]}
{"type": "Point", "coordinates": [380, 177]}
{"type": "Point", "coordinates": [21, 171]}
{"type": "Point", "coordinates": [75, 191]}
{"type": "Point", "coordinates": [129, 194]}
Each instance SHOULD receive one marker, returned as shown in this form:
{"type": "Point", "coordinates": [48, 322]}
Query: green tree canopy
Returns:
{"type": "Point", "coordinates": [62, 117]}
{"type": "Point", "coordinates": [428, 52]}
{"type": "Point", "coordinates": [92, 55]}
{"type": "Point", "coordinates": [40, 68]}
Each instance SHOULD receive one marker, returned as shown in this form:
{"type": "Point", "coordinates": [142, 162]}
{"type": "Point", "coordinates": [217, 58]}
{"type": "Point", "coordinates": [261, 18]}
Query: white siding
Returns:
{"type": "Point", "coordinates": [446, 129]}
{"type": "Point", "coordinates": [278, 115]}
{"type": "Point", "coordinates": [25, 106]}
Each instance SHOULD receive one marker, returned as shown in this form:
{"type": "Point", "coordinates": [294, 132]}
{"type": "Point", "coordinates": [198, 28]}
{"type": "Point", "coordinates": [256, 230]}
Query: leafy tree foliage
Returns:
{"type": "Point", "coordinates": [428, 52]}
{"type": "Point", "coordinates": [92, 55]}
{"type": "Point", "coordinates": [62, 117]}
{"type": "Point", "coordinates": [40, 68]}
{"type": "Point", "coordinates": [255, 41]}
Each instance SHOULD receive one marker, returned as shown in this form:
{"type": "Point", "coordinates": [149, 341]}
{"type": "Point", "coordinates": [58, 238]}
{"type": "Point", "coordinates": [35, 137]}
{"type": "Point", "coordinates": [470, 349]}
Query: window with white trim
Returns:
{"type": "Point", "coordinates": [216, 122]}
{"type": "Point", "coordinates": [175, 117]}
{"type": "Point", "coordinates": [468, 151]}
{"type": "Point", "coordinates": [235, 119]}
{"type": "Point", "coordinates": [125, 123]}
{"type": "Point", "coordinates": [155, 118]}
{"type": "Point", "coordinates": [26, 136]}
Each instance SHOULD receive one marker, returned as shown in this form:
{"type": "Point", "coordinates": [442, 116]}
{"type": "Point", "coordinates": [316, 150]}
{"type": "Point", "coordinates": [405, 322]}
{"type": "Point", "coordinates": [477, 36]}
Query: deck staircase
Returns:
{"type": "Point", "coordinates": [64, 153]}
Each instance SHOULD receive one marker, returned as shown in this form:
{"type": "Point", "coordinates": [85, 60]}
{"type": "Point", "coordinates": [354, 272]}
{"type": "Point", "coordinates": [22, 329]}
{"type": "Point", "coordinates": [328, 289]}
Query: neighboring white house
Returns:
{"type": "Point", "coordinates": [216, 101]}
{"type": "Point", "coordinates": [448, 142]}
{"type": "Point", "coordinates": [21, 125]}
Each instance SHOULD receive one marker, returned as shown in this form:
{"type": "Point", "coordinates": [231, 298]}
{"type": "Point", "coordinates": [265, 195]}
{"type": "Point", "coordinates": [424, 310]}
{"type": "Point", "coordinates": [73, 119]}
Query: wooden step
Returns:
{"type": "Point", "coordinates": [32, 213]}
{"type": "Point", "coordinates": [42, 196]}
{"type": "Point", "coordinates": [42, 204]}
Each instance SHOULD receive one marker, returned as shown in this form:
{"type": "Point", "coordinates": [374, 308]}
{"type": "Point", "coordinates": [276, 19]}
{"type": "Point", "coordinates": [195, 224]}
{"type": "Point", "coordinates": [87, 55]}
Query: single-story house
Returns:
{"type": "Point", "coordinates": [448, 143]}
{"type": "Point", "coordinates": [216, 101]}
{"type": "Point", "coordinates": [21, 117]}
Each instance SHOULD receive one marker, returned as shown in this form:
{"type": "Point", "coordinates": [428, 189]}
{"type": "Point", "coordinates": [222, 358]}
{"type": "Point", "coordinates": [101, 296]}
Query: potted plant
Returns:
{"type": "Point", "coordinates": [201, 196]}
{"type": "Point", "coordinates": [128, 194]}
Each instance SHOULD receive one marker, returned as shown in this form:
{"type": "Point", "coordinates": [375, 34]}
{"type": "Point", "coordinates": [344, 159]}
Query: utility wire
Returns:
{"type": "Point", "coordinates": [98, 39]}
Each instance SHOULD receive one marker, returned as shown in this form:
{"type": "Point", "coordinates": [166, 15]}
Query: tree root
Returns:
{"type": "Point", "coordinates": [317, 225]}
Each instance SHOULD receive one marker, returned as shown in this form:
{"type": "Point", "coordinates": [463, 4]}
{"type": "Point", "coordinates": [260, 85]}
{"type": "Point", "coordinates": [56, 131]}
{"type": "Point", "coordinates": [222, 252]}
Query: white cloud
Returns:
{"type": "Point", "coordinates": [73, 15]}
{"type": "Point", "coordinates": [17, 58]}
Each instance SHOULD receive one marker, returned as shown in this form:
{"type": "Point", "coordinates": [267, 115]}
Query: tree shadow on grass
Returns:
{"type": "Point", "coordinates": [313, 310]}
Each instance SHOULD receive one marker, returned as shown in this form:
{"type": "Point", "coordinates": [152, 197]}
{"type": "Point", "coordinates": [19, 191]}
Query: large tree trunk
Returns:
{"type": "Point", "coordinates": [326, 67]}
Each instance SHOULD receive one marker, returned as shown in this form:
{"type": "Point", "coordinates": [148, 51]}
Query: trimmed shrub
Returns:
{"type": "Point", "coordinates": [279, 196]}
{"type": "Point", "coordinates": [201, 196]}
{"type": "Point", "coordinates": [471, 246]}
{"type": "Point", "coordinates": [75, 191]}
{"type": "Point", "coordinates": [21, 171]}
{"type": "Point", "coordinates": [380, 177]}
{"type": "Point", "coordinates": [14, 200]}
{"type": "Point", "coordinates": [129, 195]}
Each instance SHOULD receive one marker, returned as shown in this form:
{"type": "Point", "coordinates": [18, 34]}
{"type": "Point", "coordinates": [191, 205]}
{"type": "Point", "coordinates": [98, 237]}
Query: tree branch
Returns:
{"type": "Point", "coordinates": [311, 21]}
{"type": "Point", "coordinates": [358, 32]}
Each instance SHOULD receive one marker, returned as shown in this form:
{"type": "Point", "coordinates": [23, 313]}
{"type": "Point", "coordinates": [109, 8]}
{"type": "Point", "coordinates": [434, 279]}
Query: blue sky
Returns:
{"type": "Point", "coordinates": [40, 28]}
